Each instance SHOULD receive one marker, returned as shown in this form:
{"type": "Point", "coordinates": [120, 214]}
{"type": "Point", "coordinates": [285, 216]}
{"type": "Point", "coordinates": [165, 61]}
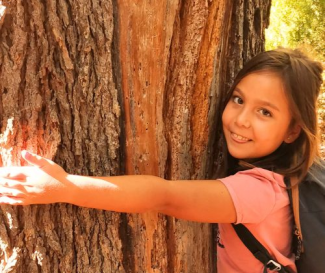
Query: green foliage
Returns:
{"type": "Point", "coordinates": [297, 23]}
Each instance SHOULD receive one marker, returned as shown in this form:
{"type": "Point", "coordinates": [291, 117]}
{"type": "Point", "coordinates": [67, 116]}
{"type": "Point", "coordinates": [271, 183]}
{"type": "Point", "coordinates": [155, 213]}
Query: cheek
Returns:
{"type": "Point", "coordinates": [272, 135]}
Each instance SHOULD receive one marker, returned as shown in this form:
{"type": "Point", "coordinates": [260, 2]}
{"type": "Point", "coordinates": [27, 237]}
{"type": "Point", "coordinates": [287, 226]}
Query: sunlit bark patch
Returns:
{"type": "Point", "coordinates": [5, 151]}
{"type": "Point", "coordinates": [9, 262]}
{"type": "Point", "coordinates": [2, 12]}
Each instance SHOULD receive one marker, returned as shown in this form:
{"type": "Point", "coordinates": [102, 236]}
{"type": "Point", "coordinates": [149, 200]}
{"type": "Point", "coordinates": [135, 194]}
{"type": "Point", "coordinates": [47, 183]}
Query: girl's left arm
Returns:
{"type": "Point", "coordinates": [46, 182]}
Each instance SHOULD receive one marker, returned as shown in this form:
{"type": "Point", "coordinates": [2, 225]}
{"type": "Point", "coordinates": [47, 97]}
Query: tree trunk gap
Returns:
{"type": "Point", "coordinates": [117, 87]}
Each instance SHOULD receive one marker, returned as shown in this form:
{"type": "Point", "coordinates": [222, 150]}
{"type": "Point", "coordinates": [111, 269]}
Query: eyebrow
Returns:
{"type": "Point", "coordinates": [263, 102]}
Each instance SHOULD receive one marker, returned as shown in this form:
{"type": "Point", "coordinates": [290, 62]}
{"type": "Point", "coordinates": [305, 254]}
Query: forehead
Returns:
{"type": "Point", "coordinates": [263, 86]}
{"type": "Point", "coordinates": [263, 78]}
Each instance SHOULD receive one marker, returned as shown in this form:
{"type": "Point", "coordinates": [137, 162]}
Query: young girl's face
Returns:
{"type": "Point", "coordinates": [257, 118]}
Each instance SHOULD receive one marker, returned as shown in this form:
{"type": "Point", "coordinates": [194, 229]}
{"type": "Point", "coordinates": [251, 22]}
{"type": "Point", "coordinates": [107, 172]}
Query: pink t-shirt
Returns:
{"type": "Point", "coordinates": [262, 204]}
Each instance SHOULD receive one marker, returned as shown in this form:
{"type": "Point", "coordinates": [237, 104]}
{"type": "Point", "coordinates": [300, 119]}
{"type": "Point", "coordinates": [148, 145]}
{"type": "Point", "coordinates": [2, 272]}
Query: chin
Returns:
{"type": "Point", "coordinates": [244, 156]}
{"type": "Point", "coordinates": [239, 156]}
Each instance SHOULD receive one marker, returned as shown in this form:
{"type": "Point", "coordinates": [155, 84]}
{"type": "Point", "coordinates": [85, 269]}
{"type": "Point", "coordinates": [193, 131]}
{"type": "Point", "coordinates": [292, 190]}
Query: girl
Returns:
{"type": "Point", "coordinates": [270, 128]}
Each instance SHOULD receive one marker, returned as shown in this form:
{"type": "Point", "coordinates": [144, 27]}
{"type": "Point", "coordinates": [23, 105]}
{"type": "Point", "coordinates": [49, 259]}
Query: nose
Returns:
{"type": "Point", "coordinates": [243, 119]}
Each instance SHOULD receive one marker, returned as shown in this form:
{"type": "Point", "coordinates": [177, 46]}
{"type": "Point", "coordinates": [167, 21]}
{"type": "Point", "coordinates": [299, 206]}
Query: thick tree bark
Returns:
{"type": "Point", "coordinates": [114, 87]}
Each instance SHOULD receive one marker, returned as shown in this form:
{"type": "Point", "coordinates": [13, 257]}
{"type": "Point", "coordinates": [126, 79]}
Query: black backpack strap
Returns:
{"type": "Point", "coordinates": [297, 245]}
{"type": "Point", "coordinates": [258, 250]}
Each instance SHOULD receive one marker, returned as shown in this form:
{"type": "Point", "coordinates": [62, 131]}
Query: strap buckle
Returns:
{"type": "Point", "coordinates": [273, 265]}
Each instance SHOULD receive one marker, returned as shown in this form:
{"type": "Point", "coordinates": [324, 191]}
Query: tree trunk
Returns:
{"type": "Point", "coordinates": [115, 87]}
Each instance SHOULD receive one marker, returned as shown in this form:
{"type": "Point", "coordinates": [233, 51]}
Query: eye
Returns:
{"type": "Point", "coordinates": [265, 112]}
{"type": "Point", "coordinates": [237, 100]}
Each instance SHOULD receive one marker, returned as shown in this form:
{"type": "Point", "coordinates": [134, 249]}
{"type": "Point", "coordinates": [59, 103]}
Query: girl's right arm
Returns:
{"type": "Point", "coordinates": [46, 182]}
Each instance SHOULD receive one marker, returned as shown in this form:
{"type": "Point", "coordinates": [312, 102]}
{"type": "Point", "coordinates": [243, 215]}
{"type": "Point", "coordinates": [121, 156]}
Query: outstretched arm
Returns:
{"type": "Point", "coordinates": [46, 182]}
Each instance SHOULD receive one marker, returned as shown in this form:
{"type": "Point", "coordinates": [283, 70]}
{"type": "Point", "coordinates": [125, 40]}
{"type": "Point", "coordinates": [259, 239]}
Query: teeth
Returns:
{"type": "Point", "coordinates": [240, 137]}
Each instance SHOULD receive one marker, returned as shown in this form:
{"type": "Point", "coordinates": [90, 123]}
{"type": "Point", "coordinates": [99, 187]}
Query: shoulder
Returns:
{"type": "Point", "coordinates": [256, 175]}
{"type": "Point", "coordinates": [316, 174]}
{"type": "Point", "coordinates": [257, 186]}
{"type": "Point", "coordinates": [256, 193]}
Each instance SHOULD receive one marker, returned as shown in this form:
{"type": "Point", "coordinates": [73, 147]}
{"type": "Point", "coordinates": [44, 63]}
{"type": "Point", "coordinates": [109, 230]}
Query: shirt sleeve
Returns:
{"type": "Point", "coordinates": [253, 193]}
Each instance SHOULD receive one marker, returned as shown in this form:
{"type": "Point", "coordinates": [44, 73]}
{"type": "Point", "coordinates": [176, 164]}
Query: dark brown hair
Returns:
{"type": "Point", "coordinates": [302, 79]}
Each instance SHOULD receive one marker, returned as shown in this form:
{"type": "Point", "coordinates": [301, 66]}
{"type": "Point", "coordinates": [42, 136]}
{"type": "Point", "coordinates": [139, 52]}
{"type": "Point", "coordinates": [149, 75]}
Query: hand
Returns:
{"type": "Point", "coordinates": [43, 182]}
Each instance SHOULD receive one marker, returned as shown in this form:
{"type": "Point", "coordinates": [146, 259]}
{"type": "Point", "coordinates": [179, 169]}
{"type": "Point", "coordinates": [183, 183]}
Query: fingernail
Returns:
{"type": "Point", "coordinates": [26, 153]}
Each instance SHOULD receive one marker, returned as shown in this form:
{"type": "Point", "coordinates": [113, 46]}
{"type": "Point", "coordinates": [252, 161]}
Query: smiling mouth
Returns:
{"type": "Point", "coordinates": [240, 138]}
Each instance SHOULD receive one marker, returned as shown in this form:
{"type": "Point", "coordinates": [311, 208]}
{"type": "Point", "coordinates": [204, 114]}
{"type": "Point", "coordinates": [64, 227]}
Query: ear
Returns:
{"type": "Point", "coordinates": [293, 134]}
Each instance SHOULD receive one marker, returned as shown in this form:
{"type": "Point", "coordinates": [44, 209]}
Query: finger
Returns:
{"type": "Point", "coordinates": [14, 172]}
{"type": "Point", "coordinates": [4, 182]}
{"type": "Point", "coordinates": [9, 192]}
{"type": "Point", "coordinates": [10, 201]}
{"type": "Point", "coordinates": [35, 160]}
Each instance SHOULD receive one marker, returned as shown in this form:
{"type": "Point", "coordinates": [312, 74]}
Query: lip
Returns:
{"type": "Point", "coordinates": [239, 138]}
